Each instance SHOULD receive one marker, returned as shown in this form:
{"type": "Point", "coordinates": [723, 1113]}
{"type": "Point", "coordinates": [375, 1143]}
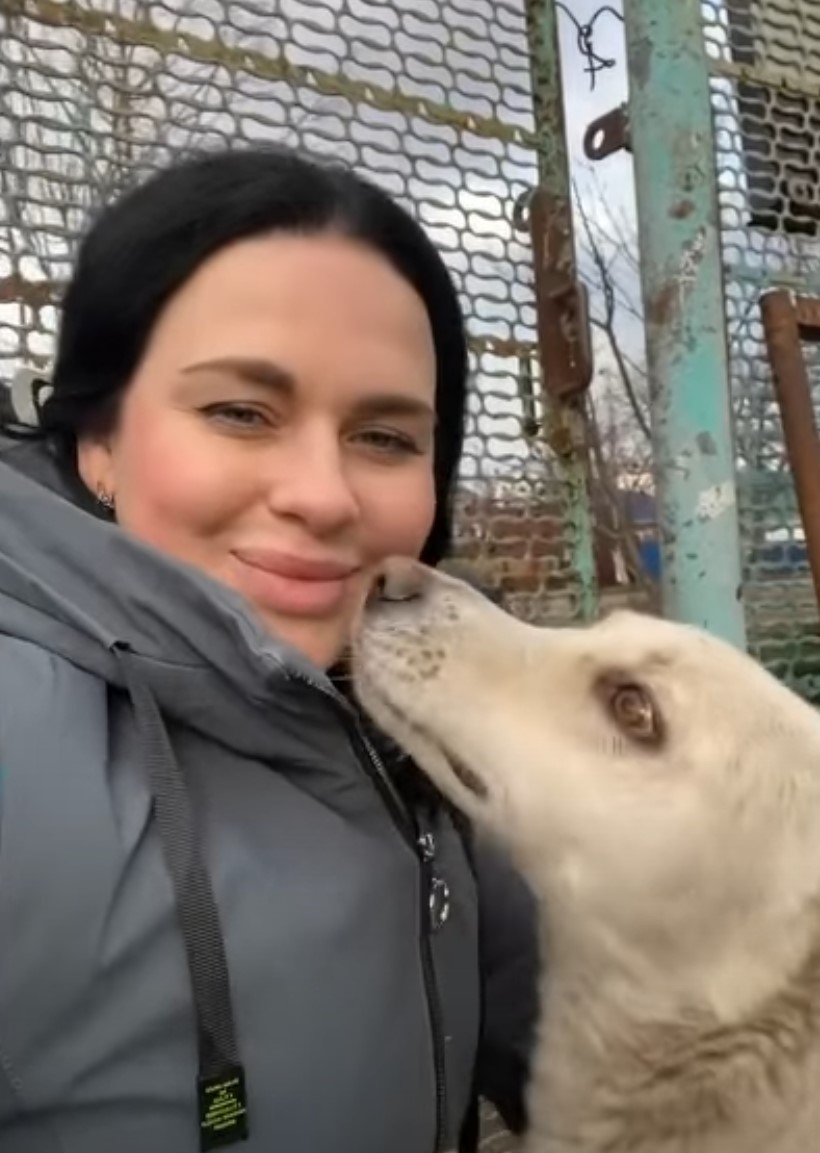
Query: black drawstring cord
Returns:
{"type": "Point", "coordinates": [223, 1110]}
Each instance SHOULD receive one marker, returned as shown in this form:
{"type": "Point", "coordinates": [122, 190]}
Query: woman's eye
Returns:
{"type": "Point", "coordinates": [242, 416]}
{"type": "Point", "coordinates": [389, 442]}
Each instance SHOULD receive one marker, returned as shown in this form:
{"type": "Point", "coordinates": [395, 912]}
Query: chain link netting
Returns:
{"type": "Point", "coordinates": [431, 99]}
{"type": "Point", "coordinates": [765, 61]}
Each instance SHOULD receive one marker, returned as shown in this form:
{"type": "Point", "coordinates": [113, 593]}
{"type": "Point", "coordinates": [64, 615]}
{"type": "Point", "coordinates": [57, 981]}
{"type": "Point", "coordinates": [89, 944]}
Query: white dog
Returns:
{"type": "Point", "coordinates": [660, 792]}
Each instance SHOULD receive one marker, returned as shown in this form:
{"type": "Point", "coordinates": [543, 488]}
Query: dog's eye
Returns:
{"type": "Point", "coordinates": [635, 712]}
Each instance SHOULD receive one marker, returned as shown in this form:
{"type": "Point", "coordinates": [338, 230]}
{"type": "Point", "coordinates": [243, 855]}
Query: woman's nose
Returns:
{"type": "Point", "coordinates": [312, 486]}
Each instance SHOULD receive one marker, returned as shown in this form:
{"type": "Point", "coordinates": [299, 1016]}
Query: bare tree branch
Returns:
{"type": "Point", "coordinates": [607, 322]}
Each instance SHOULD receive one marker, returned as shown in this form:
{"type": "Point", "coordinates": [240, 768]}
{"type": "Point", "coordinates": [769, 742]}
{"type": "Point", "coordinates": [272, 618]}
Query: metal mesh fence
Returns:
{"type": "Point", "coordinates": [765, 64]}
{"type": "Point", "coordinates": [432, 99]}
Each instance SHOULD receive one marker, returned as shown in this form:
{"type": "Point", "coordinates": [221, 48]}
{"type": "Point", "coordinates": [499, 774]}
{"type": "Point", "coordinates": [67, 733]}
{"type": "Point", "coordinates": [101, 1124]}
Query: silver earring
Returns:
{"type": "Point", "coordinates": [105, 500]}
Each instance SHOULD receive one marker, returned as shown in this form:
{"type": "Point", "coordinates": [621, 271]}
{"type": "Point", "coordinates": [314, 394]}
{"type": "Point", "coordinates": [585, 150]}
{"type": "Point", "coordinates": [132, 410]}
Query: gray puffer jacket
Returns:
{"type": "Point", "coordinates": [218, 916]}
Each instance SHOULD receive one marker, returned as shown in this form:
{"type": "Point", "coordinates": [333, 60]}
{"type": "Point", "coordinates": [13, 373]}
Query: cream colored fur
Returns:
{"type": "Point", "coordinates": [678, 882]}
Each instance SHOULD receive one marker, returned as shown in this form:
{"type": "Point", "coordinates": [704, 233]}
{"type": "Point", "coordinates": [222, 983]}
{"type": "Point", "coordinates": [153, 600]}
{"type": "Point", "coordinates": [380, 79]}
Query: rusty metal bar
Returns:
{"type": "Point", "coordinates": [16, 289]}
{"type": "Point", "coordinates": [561, 301]}
{"type": "Point", "coordinates": [807, 313]}
{"type": "Point", "coordinates": [801, 277]}
{"type": "Point", "coordinates": [672, 138]}
{"type": "Point", "coordinates": [36, 294]}
{"type": "Point", "coordinates": [771, 76]}
{"type": "Point", "coordinates": [787, 323]}
{"type": "Point", "coordinates": [565, 364]}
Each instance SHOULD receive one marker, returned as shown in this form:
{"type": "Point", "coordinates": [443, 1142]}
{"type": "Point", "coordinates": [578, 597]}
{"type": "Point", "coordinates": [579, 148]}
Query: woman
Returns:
{"type": "Point", "coordinates": [223, 914]}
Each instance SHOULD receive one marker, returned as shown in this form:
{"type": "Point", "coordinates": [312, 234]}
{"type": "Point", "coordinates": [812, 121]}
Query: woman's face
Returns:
{"type": "Point", "coordinates": [278, 433]}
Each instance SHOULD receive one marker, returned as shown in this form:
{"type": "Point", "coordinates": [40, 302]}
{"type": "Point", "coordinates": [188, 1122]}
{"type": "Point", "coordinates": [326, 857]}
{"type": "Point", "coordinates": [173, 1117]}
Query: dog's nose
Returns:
{"type": "Point", "coordinates": [398, 580]}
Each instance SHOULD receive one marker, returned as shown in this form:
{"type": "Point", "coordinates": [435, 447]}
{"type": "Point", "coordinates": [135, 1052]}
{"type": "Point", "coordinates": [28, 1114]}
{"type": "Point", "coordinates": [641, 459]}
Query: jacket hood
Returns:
{"type": "Point", "coordinates": [82, 588]}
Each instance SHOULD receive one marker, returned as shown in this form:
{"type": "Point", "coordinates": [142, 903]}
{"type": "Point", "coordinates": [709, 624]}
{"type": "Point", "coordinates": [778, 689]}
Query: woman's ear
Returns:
{"type": "Point", "coordinates": [95, 464]}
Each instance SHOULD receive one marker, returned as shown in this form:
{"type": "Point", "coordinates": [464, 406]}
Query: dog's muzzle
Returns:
{"type": "Point", "coordinates": [399, 581]}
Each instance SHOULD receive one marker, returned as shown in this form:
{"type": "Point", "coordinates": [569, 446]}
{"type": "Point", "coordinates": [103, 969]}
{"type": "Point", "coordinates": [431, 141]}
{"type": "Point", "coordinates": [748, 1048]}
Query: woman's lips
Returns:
{"type": "Point", "coordinates": [294, 585]}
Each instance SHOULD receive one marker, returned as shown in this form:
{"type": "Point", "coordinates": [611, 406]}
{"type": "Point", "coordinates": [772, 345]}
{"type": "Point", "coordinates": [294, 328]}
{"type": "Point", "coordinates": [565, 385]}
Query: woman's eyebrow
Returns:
{"type": "Point", "coordinates": [267, 374]}
{"type": "Point", "coordinates": [395, 404]}
{"type": "Point", "coordinates": [263, 373]}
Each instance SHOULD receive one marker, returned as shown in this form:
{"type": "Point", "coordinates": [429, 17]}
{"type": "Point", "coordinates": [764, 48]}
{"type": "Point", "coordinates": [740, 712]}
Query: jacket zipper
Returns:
{"type": "Point", "coordinates": [433, 915]}
{"type": "Point", "coordinates": [433, 890]}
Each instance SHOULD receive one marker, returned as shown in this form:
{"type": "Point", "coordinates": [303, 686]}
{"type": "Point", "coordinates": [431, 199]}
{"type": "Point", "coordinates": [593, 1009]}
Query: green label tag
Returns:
{"type": "Point", "coordinates": [223, 1109]}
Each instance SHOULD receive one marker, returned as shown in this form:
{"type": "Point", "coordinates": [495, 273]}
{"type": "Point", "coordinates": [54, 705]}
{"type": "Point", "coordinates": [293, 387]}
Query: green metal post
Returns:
{"type": "Point", "coordinates": [676, 188]}
{"type": "Point", "coordinates": [565, 429]}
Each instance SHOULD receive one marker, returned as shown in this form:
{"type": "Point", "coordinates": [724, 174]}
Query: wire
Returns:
{"type": "Point", "coordinates": [585, 33]}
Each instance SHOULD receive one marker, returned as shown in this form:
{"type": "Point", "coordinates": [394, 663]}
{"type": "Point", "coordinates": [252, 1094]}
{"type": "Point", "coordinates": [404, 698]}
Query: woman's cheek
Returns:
{"type": "Point", "coordinates": [401, 516]}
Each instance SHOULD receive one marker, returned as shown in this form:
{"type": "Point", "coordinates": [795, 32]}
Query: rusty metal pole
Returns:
{"type": "Point", "coordinates": [793, 391]}
{"type": "Point", "coordinates": [563, 349]}
{"type": "Point", "coordinates": [673, 145]}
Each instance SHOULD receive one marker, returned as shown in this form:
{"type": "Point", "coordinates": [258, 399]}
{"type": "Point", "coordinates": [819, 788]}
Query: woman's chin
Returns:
{"type": "Point", "coordinates": [320, 641]}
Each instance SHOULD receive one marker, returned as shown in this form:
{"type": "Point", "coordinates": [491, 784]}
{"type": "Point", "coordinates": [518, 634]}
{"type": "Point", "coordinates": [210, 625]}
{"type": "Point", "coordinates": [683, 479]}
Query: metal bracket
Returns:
{"type": "Point", "coordinates": [608, 134]}
{"type": "Point", "coordinates": [564, 334]}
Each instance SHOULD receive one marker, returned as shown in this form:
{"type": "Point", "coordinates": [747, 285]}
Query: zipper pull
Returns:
{"type": "Point", "coordinates": [438, 891]}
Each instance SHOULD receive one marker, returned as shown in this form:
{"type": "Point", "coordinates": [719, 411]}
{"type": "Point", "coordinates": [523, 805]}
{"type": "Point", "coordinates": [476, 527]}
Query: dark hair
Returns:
{"type": "Point", "coordinates": [145, 246]}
